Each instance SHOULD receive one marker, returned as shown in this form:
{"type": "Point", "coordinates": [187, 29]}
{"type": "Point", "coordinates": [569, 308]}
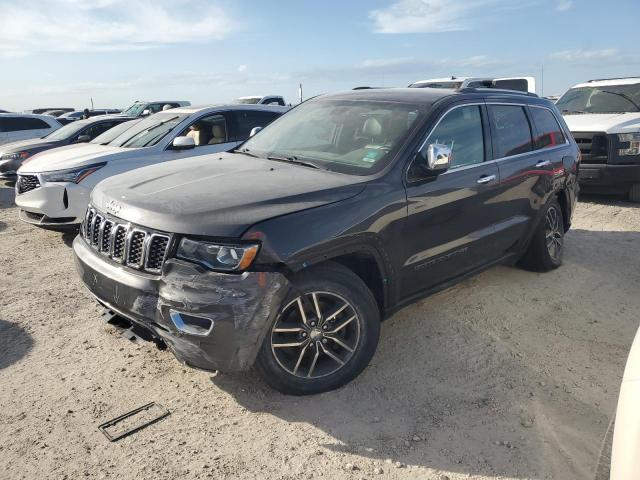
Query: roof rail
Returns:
{"type": "Point", "coordinates": [496, 90]}
{"type": "Point", "coordinates": [616, 78]}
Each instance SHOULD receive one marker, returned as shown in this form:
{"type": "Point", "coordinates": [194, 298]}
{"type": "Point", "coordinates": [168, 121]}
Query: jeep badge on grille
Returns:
{"type": "Point", "coordinates": [113, 207]}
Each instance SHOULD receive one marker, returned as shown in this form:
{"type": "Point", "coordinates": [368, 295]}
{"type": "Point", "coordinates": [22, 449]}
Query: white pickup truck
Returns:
{"type": "Point", "coordinates": [604, 118]}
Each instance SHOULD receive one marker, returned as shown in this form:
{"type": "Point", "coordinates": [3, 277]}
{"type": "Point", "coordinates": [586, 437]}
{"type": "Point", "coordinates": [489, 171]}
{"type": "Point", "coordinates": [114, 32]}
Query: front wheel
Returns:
{"type": "Point", "coordinates": [547, 243]}
{"type": "Point", "coordinates": [324, 335]}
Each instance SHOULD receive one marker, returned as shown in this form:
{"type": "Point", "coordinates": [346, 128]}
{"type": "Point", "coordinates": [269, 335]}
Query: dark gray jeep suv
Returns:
{"type": "Point", "coordinates": [288, 252]}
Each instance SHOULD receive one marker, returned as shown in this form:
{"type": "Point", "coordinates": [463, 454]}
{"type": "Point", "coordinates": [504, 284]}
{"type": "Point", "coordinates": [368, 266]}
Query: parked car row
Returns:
{"type": "Point", "coordinates": [53, 188]}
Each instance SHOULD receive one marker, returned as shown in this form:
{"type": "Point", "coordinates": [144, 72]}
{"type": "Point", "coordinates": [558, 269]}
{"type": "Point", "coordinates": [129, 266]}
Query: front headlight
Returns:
{"type": "Point", "coordinates": [633, 144]}
{"type": "Point", "coordinates": [216, 256]}
{"type": "Point", "coordinates": [15, 156]}
{"type": "Point", "coordinates": [73, 175]}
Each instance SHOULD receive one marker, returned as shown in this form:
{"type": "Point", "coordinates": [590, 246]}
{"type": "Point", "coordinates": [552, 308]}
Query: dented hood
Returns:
{"type": "Point", "coordinates": [219, 195]}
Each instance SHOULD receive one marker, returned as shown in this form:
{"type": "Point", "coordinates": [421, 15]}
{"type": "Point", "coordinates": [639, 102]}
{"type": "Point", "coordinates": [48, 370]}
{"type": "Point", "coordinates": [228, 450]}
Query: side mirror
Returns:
{"type": "Point", "coordinates": [183, 143]}
{"type": "Point", "coordinates": [83, 139]}
{"type": "Point", "coordinates": [437, 158]}
{"type": "Point", "coordinates": [145, 113]}
{"type": "Point", "coordinates": [254, 130]}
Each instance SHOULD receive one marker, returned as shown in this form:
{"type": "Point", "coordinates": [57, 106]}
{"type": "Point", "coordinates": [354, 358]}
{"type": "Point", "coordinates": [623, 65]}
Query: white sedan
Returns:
{"type": "Point", "coordinates": [52, 189]}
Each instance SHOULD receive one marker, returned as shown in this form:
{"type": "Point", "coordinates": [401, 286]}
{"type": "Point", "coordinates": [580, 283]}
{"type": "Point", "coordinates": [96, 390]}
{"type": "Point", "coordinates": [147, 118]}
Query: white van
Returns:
{"type": "Point", "coordinates": [521, 84]}
{"type": "Point", "coordinates": [14, 127]}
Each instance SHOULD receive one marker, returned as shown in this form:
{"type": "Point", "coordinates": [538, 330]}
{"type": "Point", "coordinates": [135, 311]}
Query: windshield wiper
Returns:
{"type": "Point", "coordinates": [623, 95]}
{"type": "Point", "coordinates": [292, 159]}
{"type": "Point", "coordinates": [245, 151]}
{"type": "Point", "coordinates": [573, 111]}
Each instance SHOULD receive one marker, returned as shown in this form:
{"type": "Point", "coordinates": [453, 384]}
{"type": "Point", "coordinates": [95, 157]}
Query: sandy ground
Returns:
{"type": "Point", "coordinates": [510, 375]}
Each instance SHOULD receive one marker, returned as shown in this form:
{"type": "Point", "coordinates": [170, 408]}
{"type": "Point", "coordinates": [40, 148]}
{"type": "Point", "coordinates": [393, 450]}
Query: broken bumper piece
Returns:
{"type": "Point", "coordinates": [210, 321]}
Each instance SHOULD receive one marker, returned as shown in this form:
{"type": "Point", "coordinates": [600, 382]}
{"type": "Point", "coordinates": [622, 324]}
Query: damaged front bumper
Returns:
{"type": "Point", "coordinates": [211, 321]}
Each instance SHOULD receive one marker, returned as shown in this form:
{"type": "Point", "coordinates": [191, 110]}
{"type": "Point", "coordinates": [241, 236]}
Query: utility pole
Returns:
{"type": "Point", "coordinates": [542, 80]}
{"type": "Point", "coordinates": [300, 92]}
{"type": "Point", "coordinates": [91, 103]}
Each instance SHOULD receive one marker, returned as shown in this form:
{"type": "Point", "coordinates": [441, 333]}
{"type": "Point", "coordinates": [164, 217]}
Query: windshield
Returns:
{"type": "Point", "coordinates": [357, 137]}
{"type": "Point", "coordinates": [247, 101]}
{"type": "Point", "coordinates": [134, 110]}
{"type": "Point", "coordinates": [113, 132]}
{"type": "Point", "coordinates": [65, 132]}
{"type": "Point", "coordinates": [149, 131]}
{"type": "Point", "coordinates": [609, 99]}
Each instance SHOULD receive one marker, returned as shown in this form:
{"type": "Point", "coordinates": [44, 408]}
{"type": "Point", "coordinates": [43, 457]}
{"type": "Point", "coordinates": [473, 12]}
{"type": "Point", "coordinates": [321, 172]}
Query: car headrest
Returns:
{"type": "Point", "coordinates": [372, 127]}
{"type": "Point", "coordinates": [218, 131]}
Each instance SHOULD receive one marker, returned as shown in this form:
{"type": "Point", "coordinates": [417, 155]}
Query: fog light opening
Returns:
{"type": "Point", "coordinates": [191, 324]}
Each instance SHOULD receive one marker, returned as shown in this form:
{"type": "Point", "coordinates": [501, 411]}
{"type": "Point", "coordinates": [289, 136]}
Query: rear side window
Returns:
{"type": "Point", "coordinates": [246, 120]}
{"type": "Point", "coordinates": [549, 132]}
{"type": "Point", "coordinates": [15, 124]}
{"type": "Point", "coordinates": [511, 130]}
{"type": "Point", "coordinates": [461, 131]}
{"type": "Point", "coordinates": [94, 130]}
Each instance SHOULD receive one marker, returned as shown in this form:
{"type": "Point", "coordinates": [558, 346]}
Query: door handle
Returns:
{"type": "Point", "coordinates": [544, 163]}
{"type": "Point", "coordinates": [486, 179]}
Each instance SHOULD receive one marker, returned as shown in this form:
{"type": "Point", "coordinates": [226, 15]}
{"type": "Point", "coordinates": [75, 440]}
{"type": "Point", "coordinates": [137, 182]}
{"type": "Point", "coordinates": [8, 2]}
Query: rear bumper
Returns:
{"type": "Point", "coordinates": [607, 176]}
{"type": "Point", "coordinates": [54, 204]}
{"type": "Point", "coordinates": [210, 321]}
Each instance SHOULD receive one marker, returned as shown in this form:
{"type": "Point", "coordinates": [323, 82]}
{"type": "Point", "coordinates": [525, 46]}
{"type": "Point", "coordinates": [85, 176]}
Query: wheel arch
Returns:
{"type": "Point", "coordinates": [363, 259]}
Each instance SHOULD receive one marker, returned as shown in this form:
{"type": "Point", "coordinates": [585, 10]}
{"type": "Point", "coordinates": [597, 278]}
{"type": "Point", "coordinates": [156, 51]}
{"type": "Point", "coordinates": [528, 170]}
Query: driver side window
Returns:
{"type": "Point", "coordinates": [210, 130]}
{"type": "Point", "coordinates": [461, 130]}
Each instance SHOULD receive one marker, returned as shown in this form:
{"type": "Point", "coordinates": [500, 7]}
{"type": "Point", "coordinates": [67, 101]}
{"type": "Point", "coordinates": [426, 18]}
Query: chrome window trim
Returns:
{"type": "Point", "coordinates": [494, 160]}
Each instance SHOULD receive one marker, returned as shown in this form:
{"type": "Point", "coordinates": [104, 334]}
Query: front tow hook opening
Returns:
{"type": "Point", "coordinates": [191, 324]}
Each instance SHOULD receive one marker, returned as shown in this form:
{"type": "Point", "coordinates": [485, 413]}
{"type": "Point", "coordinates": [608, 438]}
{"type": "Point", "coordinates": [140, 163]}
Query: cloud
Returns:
{"type": "Point", "coordinates": [601, 57]}
{"type": "Point", "coordinates": [184, 80]}
{"type": "Point", "coordinates": [242, 68]}
{"type": "Point", "coordinates": [432, 16]}
{"type": "Point", "coordinates": [564, 5]}
{"type": "Point", "coordinates": [403, 66]}
{"type": "Point", "coordinates": [581, 55]}
{"type": "Point", "coordinates": [107, 25]}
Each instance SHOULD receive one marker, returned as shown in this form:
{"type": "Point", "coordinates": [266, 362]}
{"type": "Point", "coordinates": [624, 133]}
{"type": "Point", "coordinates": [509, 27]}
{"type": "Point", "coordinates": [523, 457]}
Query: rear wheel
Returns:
{"type": "Point", "coordinates": [547, 244]}
{"type": "Point", "coordinates": [324, 335]}
{"type": "Point", "coordinates": [634, 193]}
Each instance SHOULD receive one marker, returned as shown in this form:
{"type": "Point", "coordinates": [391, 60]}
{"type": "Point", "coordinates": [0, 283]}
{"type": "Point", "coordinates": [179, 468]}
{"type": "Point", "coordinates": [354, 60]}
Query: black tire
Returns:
{"type": "Point", "coordinates": [305, 370]}
{"type": "Point", "coordinates": [634, 193]}
{"type": "Point", "coordinates": [541, 256]}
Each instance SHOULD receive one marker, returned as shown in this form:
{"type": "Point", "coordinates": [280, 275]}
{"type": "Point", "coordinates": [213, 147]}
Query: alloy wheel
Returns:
{"type": "Point", "coordinates": [315, 334]}
{"type": "Point", "coordinates": [554, 233]}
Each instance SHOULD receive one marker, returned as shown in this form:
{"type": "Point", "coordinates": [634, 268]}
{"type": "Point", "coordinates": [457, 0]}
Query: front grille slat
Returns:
{"type": "Point", "coordinates": [118, 241]}
{"type": "Point", "coordinates": [27, 183]}
{"type": "Point", "coordinates": [133, 246]}
{"type": "Point", "coordinates": [594, 146]}
{"type": "Point", "coordinates": [156, 252]}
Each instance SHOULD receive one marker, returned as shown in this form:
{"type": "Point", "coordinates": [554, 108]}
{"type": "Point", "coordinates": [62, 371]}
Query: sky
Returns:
{"type": "Point", "coordinates": [59, 53]}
